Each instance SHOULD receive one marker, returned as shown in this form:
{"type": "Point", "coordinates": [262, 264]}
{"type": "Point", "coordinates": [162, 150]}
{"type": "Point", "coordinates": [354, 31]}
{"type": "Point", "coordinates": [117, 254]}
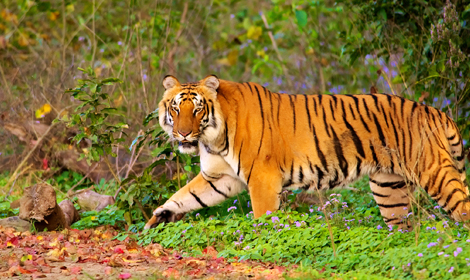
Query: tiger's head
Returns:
{"type": "Point", "coordinates": [190, 112]}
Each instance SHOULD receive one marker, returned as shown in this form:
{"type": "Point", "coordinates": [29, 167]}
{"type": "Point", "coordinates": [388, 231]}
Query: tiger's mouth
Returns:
{"type": "Point", "coordinates": [188, 144]}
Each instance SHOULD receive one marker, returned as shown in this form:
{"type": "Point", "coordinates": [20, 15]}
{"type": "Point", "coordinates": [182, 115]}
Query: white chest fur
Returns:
{"type": "Point", "coordinates": [214, 166]}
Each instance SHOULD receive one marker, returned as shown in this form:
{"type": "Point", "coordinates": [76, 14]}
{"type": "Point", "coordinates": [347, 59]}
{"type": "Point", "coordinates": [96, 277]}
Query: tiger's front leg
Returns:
{"type": "Point", "coordinates": [265, 187]}
{"type": "Point", "coordinates": [197, 194]}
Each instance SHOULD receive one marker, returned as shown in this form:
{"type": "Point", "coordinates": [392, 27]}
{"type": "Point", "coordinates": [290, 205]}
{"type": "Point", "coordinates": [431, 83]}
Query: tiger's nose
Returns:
{"type": "Point", "coordinates": [184, 133]}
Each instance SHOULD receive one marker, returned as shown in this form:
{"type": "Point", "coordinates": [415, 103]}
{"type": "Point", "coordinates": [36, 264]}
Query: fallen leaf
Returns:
{"type": "Point", "coordinates": [126, 275]}
{"type": "Point", "coordinates": [76, 270]}
{"type": "Point", "coordinates": [108, 270]}
{"type": "Point", "coordinates": [210, 251]}
{"type": "Point", "coordinates": [118, 251]}
{"type": "Point", "coordinates": [116, 261]}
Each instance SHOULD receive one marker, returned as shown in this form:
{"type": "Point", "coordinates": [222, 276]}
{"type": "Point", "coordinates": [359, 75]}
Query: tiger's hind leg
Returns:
{"type": "Point", "coordinates": [392, 196]}
{"type": "Point", "coordinates": [443, 182]}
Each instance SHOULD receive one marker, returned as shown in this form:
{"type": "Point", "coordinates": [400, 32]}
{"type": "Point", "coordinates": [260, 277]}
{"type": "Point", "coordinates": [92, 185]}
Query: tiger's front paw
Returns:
{"type": "Point", "coordinates": [161, 215]}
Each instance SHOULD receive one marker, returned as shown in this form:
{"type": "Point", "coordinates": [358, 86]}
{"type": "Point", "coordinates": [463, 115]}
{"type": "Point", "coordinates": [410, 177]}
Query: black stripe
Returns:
{"type": "Point", "coordinates": [379, 130]}
{"type": "Point", "coordinates": [387, 220]}
{"type": "Point", "coordinates": [324, 122]}
{"type": "Point", "coordinates": [352, 111]}
{"type": "Point", "coordinates": [319, 151]}
{"type": "Point", "coordinates": [239, 158]}
{"type": "Point", "coordinates": [267, 92]}
{"type": "Point", "coordinates": [389, 99]}
{"type": "Point", "coordinates": [413, 108]}
{"type": "Point", "coordinates": [458, 203]}
{"type": "Point", "coordinates": [343, 163]}
{"type": "Point", "coordinates": [315, 105]}
{"type": "Point", "coordinates": [383, 113]}
{"type": "Point", "coordinates": [342, 107]}
{"type": "Point", "coordinates": [455, 144]}
{"type": "Point", "coordinates": [262, 116]}
{"type": "Point", "coordinates": [440, 184]}
{"type": "Point", "coordinates": [249, 175]}
{"type": "Point", "coordinates": [358, 166]}
{"type": "Point", "coordinates": [205, 174]}
{"type": "Point", "coordinates": [226, 146]}
{"type": "Point", "coordinates": [198, 200]}
{"type": "Point", "coordinates": [332, 111]}
{"type": "Point", "coordinates": [393, 185]}
{"type": "Point", "coordinates": [432, 180]}
{"type": "Point", "coordinates": [452, 137]}
{"type": "Point", "coordinates": [334, 99]}
{"type": "Point", "coordinates": [301, 174]}
{"type": "Point", "coordinates": [320, 176]}
{"type": "Point", "coordinates": [393, 205]}
{"type": "Point", "coordinates": [289, 182]}
{"type": "Point", "coordinates": [375, 102]}
{"type": "Point", "coordinates": [364, 123]}
{"type": "Point", "coordinates": [333, 183]}
{"type": "Point", "coordinates": [292, 171]}
{"type": "Point", "coordinates": [449, 197]}
{"type": "Point", "coordinates": [374, 155]}
{"type": "Point", "coordinates": [365, 107]}
{"type": "Point", "coordinates": [356, 140]}
{"type": "Point", "coordinates": [380, 195]}
{"type": "Point", "coordinates": [308, 113]}
{"type": "Point", "coordinates": [213, 120]}
{"type": "Point", "coordinates": [292, 105]}
{"type": "Point", "coordinates": [215, 189]}
{"type": "Point", "coordinates": [397, 140]}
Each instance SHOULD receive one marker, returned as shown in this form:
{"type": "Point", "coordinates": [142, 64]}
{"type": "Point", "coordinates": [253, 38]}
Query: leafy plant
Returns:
{"type": "Point", "coordinates": [91, 117]}
{"type": "Point", "coordinates": [111, 215]}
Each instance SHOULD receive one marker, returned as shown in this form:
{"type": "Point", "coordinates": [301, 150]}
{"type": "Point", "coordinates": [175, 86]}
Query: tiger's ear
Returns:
{"type": "Point", "coordinates": [211, 82]}
{"type": "Point", "coordinates": [170, 82]}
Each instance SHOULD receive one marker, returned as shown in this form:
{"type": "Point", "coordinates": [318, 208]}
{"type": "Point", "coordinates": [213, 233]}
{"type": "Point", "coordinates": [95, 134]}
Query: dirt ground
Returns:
{"type": "Point", "coordinates": [93, 254]}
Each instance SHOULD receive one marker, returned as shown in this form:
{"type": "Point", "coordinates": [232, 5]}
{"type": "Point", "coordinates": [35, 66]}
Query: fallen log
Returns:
{"type": "Point", "coordinates": [39, 206]}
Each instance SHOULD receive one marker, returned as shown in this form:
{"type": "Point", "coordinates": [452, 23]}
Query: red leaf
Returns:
{"type": "Point", "coordinates": [75, 270]}
{"type": "Point", "coordinates": [126, 275]}
{"type": "Point", "coordinates": [45, 164]}
{"type": "Point", "coordinates": [118, 250]}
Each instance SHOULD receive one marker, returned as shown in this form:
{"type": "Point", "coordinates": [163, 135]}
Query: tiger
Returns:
{"type": "Point", "coordinates": [250, 138]}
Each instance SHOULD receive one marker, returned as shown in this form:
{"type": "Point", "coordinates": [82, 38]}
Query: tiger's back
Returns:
{"type": "Point", "coordinates": [275, 141]}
